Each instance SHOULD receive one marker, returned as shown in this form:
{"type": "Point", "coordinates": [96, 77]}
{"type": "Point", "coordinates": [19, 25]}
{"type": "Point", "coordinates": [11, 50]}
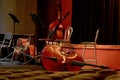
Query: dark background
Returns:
{"type": "Point", "coordinates": [87, 17]}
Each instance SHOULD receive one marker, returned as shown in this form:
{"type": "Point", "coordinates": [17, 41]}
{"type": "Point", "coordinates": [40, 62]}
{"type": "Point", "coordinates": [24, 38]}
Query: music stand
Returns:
{"type": "Point", "coordinates": [15, 20]}
{"type": "Point", "coordinates": [38, 22]}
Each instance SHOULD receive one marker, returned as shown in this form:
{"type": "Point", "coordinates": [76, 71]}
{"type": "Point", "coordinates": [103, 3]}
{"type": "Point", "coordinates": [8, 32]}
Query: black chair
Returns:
{"type": "Point", "coordinates": [6, 43]}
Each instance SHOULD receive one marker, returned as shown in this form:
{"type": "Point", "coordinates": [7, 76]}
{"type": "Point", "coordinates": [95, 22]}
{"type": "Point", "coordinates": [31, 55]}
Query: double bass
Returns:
{"type": "Point", "coordinates": [55, 59]}
{"type": "Point", "coordinates": [53, 56]}
{"type": "Point", "coordinates": [56, 28]}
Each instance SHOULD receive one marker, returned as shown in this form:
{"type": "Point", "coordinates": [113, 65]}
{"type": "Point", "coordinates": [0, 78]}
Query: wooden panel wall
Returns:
{"type": "Point", "coordinates": [23, 10]}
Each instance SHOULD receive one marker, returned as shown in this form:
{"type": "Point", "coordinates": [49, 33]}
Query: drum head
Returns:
{"type": "Point", "coordinates": [21, 42]}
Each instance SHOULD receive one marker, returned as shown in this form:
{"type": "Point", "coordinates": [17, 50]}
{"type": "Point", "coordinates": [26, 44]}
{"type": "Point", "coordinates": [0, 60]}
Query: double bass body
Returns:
{"type": "Point", "coordinates": [54, 58]}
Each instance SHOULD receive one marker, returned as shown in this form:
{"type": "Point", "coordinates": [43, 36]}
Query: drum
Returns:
{"type": "Point", "coordinates": [33, 50]}
{"type": "Point", "coordinates": [23, 46]}
{"type": "Point", "coordinates": [21, 42]}
{"type": "Point", "coordinates": [55, 59]}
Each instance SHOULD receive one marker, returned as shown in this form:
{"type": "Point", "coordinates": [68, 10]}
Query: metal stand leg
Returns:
{"type": "Point", "coordinates": [94, 54]}
{"type": "Point", "coordinates": [8, 55]}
